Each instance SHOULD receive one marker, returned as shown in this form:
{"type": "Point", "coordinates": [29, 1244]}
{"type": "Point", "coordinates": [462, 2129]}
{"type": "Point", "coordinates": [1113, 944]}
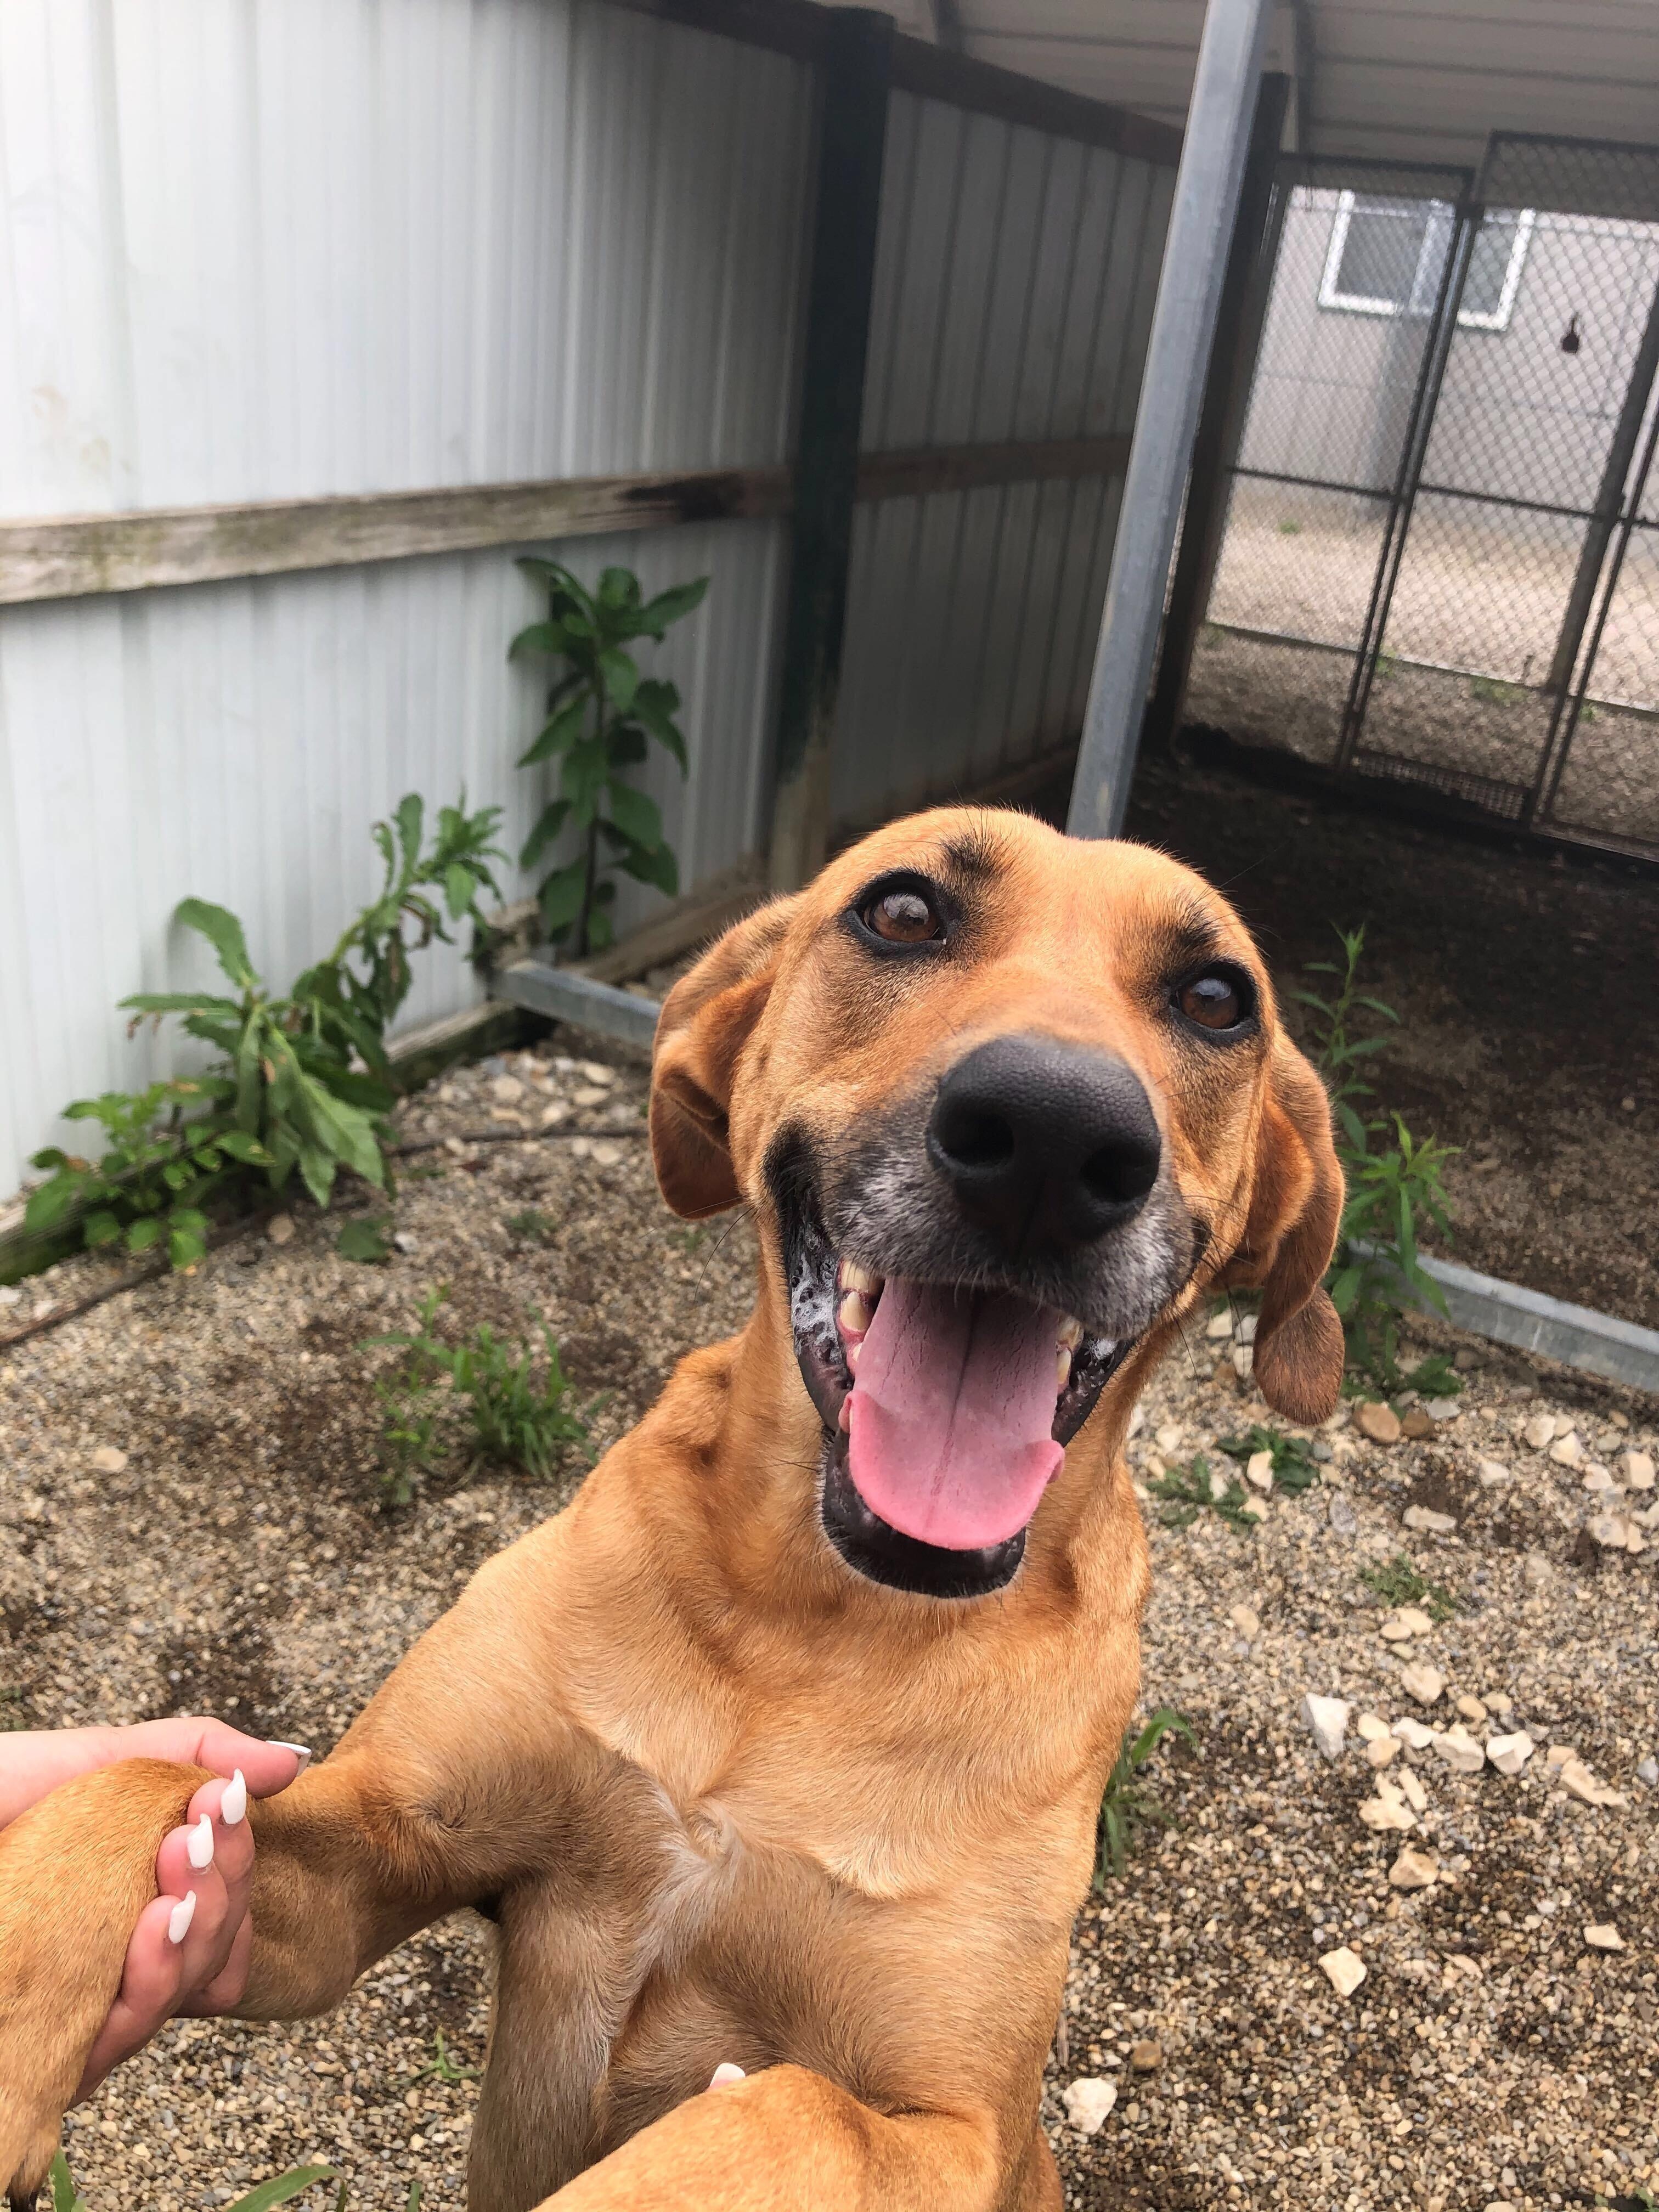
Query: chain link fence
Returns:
{"type": "Point", "coordinates": [1441, 557]}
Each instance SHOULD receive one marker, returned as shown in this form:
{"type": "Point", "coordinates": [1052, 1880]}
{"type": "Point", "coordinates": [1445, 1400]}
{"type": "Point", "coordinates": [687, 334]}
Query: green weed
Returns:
{"type": "Point", "coordinates": [1292, 1470]}
{"type": "Point", "coordinates": [530, 1227]}
{"type": "Point", "coordinates": [1289, 528]}
{"type": "Point", "coordinates": [1126, 1804]}
{"type": "Point", "coordinates": [602, 715]}
{"type": "Point", "coordinates": [513, 1420]}
{"type": "Point", "coordinates": [441, 2066]}
{"type": "Point", "coordinates": [1188, 1490]}
{"type": "Point", "coordinates": [1394, 1181]}
{"type": "Point", "coordinates": [1495, 691]}
{"type": "Point", "coordinates": [1398, 1583]}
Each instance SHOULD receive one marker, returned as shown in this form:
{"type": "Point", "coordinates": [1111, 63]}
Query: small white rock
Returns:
{"type": "Point", "coordinates": [1383, 1751]}
{"type": "Point", "coordinates": [1327, 1723]}
{"type": "Point", "coordinates": [1636, 1470]}
{"type": "Point", "coordinates": [1460, 1750]}
{"type": "Point", "coordinates": [592, 1096]}
{"type": "Point", "coordinates": [1604, 1937]}
{"type": "Point", "coordinates": [1247, 1621]}
{"type": "Point", "coordinates": [1425, 1683]}
{"type": "Point", "coordinates": [280, 1227]}
{"type": "Point", "coordinates": [1344, 1969]}
{"type": "Point", "coordinates": [1611, 1531]}
{"type": "Point", "coordinates": [1510, 1753]}
{"type": "Point", "coordinates": [1539, 1431]}
{"type": "Point", "coordinates": [1647, 1770]}
{"type": "Point", "coordinates": [1492, 1472]}
{"type": "Point", "coordinates": [597, 1072]}
{"type": "Point", "coordinates": [1259, 1470]}
{"type": "Point", "coordinates": [1383, 1813]}
{"type": "Point", "coordinates": [1442, 1409]}
{"type": "Point", "coordinates": [553, 1114]}
{"type": "Point", "coordinates": [1473, 1710]}
{"type": "Point", "coordinates": [1596, 1479]}
{"type": "Point", "coordinates": [1243, 1361]}
{"type": "Point", "coordinates": [109, 1458]}
{"type": "Point", "coordinates": [1254, 1509]}
{"type": "Point", "coordinates": [1169, 1438]}
{"type": "Point", "coordinates": [1220, 1325]}
{"type": "Point", "coordinates": [1567, 1451]}
{"type": "Point", "coordinates": [1427, 1522]}
{"type": "Point", "coordinates": [1411, 1731]}
{"type": "Point", "coordinates": [507, 1090]}
{"type": "Point", "coordinates": [1412, 1787]}
{"type": "Point", "coordinates": [1372, 1728]}
{"type": "Point", "coordinates": [1414, 1869]}
{"type": "Point", "coordinates": [1245, 1332]}
{"type": "Point", "coordinates": [1087, 2102]}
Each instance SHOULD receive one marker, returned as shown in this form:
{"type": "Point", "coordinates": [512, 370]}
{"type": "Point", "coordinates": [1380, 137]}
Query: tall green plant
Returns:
{"type": "Point", "coordinates": [1394, 1181]}
{"type": "Point", "coordinates": [302, 1079]}
{"type": "Point", "coordinates": [602, 715]}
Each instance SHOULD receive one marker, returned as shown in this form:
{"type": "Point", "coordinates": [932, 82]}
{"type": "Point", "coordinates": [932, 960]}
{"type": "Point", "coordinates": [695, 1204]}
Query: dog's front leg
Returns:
{"type": "Point", "coordinates": [790, 2140]}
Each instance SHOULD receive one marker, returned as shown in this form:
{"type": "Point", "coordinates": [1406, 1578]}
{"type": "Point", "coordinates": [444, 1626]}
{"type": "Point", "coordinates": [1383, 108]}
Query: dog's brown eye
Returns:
{"type": "Point", "coordinates": [902, 918]}
{"type": "Point", "coordinates": [1212, 1001]}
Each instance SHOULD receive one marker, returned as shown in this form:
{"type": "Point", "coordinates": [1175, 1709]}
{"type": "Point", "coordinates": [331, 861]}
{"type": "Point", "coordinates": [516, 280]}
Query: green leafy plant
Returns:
{"type": "Point", "coordinates": [1290, 528]}
{"type": "Point", "coordinates": [1188, 1490]}
{"type": "Point", "coordinates": [1394, 1181]}
{"type": "Point", "coordinates": [602, 718]}
{"type": "Point", "coordinates": [302, 1077]}
{"type": "Point", "coordinates": [1126, 1804]}
{"type": "Point", "coordinates": [365, 1240]}
{"type": "Point", "coordinates": [531, 1226]}
{"type": "Point", "coordinates": [66, 2198]}
{"type": "Point", "coordinates": [167, 1151]}
{"type": "Point", "coordinates": [512, 1419]}
{"type": "Point", "coordinates": [1294, 1470]}
{"type": "Point", "coordinates": [1398, 1583]}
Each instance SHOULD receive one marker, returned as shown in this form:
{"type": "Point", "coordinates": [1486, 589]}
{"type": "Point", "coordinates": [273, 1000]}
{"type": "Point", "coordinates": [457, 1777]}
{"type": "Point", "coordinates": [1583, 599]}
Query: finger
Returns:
{"type": "Point", "coordinates": [179, 1869]}
{"type": "Point", "coordinates": [150, 1981]}
{"type": "Point", "coordinates": [224, 1804]}
{"type": "Point", "coordinates": [193, 1741]}
{"type": "Point", "coordinates": [229, 1986]}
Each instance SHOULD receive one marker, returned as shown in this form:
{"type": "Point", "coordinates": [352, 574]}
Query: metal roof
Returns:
{"type": "Point", "coordinates": [1395, 80]}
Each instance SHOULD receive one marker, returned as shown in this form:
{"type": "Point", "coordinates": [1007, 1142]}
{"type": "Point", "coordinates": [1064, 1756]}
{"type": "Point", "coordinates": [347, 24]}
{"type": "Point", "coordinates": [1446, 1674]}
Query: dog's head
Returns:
{"type": "Point", "coordinates": [1006, 1105]}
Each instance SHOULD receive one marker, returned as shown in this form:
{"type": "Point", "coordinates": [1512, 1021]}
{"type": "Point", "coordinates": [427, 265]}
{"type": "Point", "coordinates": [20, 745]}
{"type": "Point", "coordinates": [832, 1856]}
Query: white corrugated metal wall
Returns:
{"type": "Point", "coordinates": [266, 249]}
{"type": "Point", "coordinates": [1015, 278]}
{"type": "Point", "coordinates": [279, 249]}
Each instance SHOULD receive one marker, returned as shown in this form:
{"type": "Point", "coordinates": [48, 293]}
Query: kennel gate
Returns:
{"type": "Point", "coordinates": [1440, 563]}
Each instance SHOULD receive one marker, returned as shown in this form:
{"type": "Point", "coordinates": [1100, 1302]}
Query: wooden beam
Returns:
{"type": "Point", "coordinates": [72, 556]}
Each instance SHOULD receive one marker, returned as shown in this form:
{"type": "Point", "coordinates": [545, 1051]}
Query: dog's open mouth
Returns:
{"type": "Point", "coordinates": [946, 1408]}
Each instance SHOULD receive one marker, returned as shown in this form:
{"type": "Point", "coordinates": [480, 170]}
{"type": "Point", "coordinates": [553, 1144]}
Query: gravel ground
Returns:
{"type": "Point", "coordinates": [191, 1517]}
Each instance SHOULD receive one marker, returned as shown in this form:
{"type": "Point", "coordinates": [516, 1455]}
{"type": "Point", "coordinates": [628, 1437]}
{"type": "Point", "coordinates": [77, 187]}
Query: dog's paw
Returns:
{"type": "Point", "coordinates": [75, 1871]}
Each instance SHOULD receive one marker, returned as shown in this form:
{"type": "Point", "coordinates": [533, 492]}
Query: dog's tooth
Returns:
{"type": "Point", "coordinates": [855, 1278]}
{"type": "Point", "coordinates": [854, 1313]}
{"type": "Point", "coordinates": [1062, 1368]}
{"type": "Point", "coordinates": [1071, 1332]}
{"type": "Point", "coordinates": [851, 1357]}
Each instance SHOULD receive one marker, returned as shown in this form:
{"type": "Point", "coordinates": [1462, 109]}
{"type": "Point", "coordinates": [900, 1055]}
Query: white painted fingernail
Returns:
{"type": "Point", "coordinates": [198, 1844]}
{"type": "Point", "coordinates": [724, 2073]}
{"type": "Point", "coordinates": [232, 1806]}
{"type": "Point", "coordinates": [179, 1918]}
{"type": "Point", "coordinates": [302, 1752]}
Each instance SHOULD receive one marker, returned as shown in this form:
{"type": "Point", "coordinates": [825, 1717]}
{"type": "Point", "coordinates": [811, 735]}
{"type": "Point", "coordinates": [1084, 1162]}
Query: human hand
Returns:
{"type": "Point", "coordinates": [189, 1949]}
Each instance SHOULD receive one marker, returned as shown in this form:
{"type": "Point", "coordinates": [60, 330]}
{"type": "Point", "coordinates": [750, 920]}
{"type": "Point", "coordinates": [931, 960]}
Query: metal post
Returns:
{"type": "Point", "coordinates": [856, 72]}
{"type": "Point", "coordinates": [1212, 153]}
{"type": "Point", "coordinates": [1402, 504]}
{"type": "Point", "coordinates": [1545, 804]}
{"type": "Point", "coordinates": [1239, 322]}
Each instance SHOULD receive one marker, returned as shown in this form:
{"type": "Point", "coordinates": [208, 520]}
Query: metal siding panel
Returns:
{"type": "Point", "coordinates": [236, 741]}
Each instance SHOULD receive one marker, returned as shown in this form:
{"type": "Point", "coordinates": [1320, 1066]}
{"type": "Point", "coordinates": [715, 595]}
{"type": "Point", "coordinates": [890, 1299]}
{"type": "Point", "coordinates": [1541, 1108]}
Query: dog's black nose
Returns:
{"type": "Point", "coordinates": [1045, 1144]}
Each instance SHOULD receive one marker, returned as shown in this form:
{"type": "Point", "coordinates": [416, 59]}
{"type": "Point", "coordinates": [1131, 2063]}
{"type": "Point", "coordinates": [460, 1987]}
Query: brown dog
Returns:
{"type": "Point", "coordinates": [784, 1744]}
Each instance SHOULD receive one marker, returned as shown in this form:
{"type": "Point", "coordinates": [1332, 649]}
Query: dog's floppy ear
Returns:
{"type": "Point", "coordinates": [705, 1021]}
{"type": "Point", "coordinates": [1296, 1207]}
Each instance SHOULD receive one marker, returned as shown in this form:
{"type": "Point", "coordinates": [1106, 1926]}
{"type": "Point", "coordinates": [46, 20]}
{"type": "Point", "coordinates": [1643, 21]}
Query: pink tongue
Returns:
{"type": "Point", "coordinates": [950, 1420]}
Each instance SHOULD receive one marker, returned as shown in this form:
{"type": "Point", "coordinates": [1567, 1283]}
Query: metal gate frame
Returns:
{"type": "Point", "coordinates": [1609, 522]}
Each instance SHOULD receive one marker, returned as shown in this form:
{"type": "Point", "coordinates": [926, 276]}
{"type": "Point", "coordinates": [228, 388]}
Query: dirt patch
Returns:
{"type": "Point", "coordinates": [1527, 1037]}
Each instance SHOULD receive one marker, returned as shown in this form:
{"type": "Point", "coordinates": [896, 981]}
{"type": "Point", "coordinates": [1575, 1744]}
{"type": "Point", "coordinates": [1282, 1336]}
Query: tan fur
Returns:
{"type": "Point", "coordinates": [728, 1800]}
